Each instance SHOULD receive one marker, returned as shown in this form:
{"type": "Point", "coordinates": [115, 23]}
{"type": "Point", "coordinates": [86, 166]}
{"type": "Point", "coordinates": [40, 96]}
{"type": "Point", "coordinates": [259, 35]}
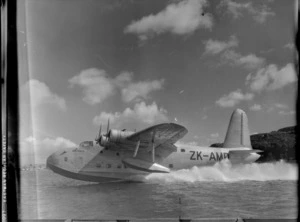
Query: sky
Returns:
{"type": "Point", "coordinates": [141, 62]}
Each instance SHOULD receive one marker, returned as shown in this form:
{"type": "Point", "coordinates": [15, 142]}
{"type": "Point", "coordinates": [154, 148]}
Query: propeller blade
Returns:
{"type": "Point", "coordinates": [100, 131]}
{"type": "Point", "coordinates": [107, 126]}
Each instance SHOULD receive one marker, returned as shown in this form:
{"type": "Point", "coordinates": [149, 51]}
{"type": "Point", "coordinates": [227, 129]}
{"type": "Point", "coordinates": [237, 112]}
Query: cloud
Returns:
{"type": "Point", "coordinates": [250, 61]}
{"type": "Point", "coordinates": [271, 78]}
{"type": "Point", "coordinates": [141, 114]}
{"type": "Point", "coordinates": [58, 142]}
{"type": "Point", "coordinates": [214, 135]}
{"type": "Point", "coordinates": [234, 98]}
{"type": "Point", "coordinates": [36, 151]}
{"type": "Point", "coordinates": [229, 56]}
{"type": "Point", "coordinates": [191, 143]}
{"type": "Point", "coordinates": [238, 9]}
{"type": "Point", "coordinates": [280, 106]}
{"type": "Point", "coordinates": [290, 46]}
{"type": "Point", "coordinates": [98, 86]}
{"type": "Point", "coordinates": [255, 107]}
{"type": "Point", "coordinates": [40, 93]}
{"type": "Point", "coordinates": [282, 109]}
{"type": "Point", "coordinates": [140, 89]}
{"type": "Point", "coordinates": [284, 112]}
{"type": "Point", "coordinates": [177, 18]}
{"type": "Point", "coordinates": [215, 47]}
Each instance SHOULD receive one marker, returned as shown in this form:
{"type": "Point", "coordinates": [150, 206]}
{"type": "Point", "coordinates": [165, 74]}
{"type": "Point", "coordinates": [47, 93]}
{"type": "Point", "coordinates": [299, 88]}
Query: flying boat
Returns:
{"type": "Point", "coordinates": [131, 156]}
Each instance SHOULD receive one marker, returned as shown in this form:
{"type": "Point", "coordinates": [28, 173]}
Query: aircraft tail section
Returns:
{"type": "Point", "coordinates": [238, 132]}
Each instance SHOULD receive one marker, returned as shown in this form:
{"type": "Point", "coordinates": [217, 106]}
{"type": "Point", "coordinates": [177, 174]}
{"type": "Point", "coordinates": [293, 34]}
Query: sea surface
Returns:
{"type": "Point", "coordinates": [267, 190]}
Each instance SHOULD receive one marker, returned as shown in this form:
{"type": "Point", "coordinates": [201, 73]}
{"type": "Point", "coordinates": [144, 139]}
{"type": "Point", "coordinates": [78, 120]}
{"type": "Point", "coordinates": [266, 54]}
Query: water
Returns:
{"type": "Point", "coordinates": [266, 190]}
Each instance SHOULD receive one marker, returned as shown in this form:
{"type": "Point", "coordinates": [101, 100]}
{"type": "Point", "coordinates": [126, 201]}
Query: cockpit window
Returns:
{"type": "Point", "coordinates": [86, 144]}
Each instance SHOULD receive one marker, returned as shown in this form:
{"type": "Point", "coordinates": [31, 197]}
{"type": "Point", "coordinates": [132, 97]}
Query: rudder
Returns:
{"type": "Point", "coordinates": [238, 132]}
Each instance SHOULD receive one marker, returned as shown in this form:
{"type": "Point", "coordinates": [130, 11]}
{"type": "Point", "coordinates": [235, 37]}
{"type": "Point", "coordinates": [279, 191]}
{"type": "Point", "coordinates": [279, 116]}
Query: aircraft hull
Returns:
{"type": "Point", "coordinates": [100, 177]}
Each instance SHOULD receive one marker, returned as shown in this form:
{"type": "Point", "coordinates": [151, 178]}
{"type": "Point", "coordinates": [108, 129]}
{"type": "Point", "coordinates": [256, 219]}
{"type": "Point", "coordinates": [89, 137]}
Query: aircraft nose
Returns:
{"type": "Point", "coordinates": [52, 160]}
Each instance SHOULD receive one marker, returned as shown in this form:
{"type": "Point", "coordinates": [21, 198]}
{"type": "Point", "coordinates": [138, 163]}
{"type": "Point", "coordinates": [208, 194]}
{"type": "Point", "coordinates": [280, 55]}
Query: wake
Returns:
{"type": "Point", "coordinates": [226, 172]}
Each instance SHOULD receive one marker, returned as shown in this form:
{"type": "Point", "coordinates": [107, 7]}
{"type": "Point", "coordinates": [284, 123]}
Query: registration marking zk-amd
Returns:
{"type": "Point", "coordinates": [216, 156]}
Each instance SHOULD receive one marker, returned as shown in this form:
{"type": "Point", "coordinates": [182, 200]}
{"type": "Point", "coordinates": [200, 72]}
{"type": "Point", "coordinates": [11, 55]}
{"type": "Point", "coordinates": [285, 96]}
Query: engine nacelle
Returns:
{"type": "Point", "coordinates": [104, 141]}
{"type": "Point", "coordinates": [118, 135]}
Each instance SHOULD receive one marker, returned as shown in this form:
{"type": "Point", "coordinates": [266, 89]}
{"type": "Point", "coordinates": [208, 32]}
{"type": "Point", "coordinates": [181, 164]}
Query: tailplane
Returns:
{"type": "Point", "coordinates": [238, 132]}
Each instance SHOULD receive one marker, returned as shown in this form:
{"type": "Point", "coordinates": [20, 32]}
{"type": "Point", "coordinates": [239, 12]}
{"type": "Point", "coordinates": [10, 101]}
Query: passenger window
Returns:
{"type": "Point", "coordinates": [170, 165]}
{"type": "Point", "coordinates": [108, 165]}
{"type": "Point", "coordinates": [119, 166]}
{"type": "Point", "coordinates": [182, 150]}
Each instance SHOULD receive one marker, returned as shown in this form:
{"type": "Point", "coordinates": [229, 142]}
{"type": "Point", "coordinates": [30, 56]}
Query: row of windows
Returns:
{"type": "Point", "coordinates": [119, 166]}
{"type": "Point", "coordinates": [118, 154]}
{"type": "Point", "coordinates": [108, 165]}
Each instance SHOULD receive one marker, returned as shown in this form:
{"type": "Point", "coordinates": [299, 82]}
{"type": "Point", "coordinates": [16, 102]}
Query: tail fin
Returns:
{"type": "Point", "coordinates": [238, 131]}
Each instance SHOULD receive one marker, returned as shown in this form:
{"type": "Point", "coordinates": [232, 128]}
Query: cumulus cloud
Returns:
{"type": "Point", "coordinates": [250, 61]}
{"type": "Point", "coordinates": [141, 113]}
{"type": "Point", "coordinates": [40, 93]}
{"type": "Point", "coordinates": [177, 18]}
{"type": "Point", "coordinates": [271, 78]}
{"type": "Point", "coordinates": [230, 56]}
{"type": "Point", "coordinates": [140, 89]}
{"type": "Point", "coordinates": [234, 98]}
{"type": "Point", "coordinates": [281, 109]}
{"type": "Point", "coordinates": [290, 46]}
{"type": "Point", "coordinates": [285, 112]}
{"type": "Point", "coordinates": [238, 9]}
{"type": "Point", "coordinates": [58, 142]}
{"type": "Point", "coordinates": [36, 151]}
{"type": "Point", "coordinates": [255, 107]}
{"type": "Point", "coordinates": [98, 86]}
{"type": "Point", "coordinates": [215, 47]}
{"type": "Point", "coordinates": [280, 106]}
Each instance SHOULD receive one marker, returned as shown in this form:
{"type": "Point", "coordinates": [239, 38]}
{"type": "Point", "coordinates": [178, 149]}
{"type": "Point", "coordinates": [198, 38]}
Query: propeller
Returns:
{"type": "Point", "coordinates": [107, 127]}
{"type": "Point", "coordinates": [98, 138]}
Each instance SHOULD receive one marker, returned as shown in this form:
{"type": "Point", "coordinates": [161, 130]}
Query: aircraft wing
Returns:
{"type": "Point", "coordinates": [164, 136]}
{"type": "Point", "coordinates": [162, 133]}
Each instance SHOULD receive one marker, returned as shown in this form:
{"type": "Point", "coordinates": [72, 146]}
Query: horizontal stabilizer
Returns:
{"type": "Point", "coordinates": [142, 165]}
{"type": "Point", "coordinates": [241, 152]}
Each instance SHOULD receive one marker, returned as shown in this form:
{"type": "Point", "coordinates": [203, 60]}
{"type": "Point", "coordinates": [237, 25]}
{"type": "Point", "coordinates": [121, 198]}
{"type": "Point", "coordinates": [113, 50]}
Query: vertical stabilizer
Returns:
{"type": "Point", "coordinates": [238, 132]}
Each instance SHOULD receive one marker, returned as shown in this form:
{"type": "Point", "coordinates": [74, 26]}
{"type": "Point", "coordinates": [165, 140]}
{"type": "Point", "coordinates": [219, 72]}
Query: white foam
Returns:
{"type": "Point", "coordinates": [226, 172]}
